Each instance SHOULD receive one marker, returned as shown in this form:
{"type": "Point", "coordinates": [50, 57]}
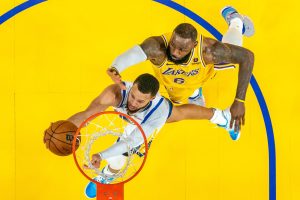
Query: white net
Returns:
{"type": "Point", "coordinates": [99, 134]}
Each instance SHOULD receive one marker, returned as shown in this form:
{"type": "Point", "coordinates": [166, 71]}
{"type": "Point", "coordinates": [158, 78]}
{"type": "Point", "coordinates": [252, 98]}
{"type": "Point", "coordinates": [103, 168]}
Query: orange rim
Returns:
{"type": "Point", "coordinates": [97, 115]}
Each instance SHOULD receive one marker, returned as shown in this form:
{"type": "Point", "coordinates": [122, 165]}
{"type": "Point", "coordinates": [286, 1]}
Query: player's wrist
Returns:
{"type": "Point", "coordinates": [240, 100]}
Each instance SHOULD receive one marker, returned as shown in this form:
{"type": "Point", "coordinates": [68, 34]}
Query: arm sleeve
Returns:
{"type": "Point", "coordinates": [134, 139]}
{"type": "Point", "coordinates": [131, 57]}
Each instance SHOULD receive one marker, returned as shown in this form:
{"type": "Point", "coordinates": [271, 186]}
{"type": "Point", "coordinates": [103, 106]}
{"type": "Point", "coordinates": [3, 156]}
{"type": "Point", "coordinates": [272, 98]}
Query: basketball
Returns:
{"type": "Point", "coordinates": [59, 137]}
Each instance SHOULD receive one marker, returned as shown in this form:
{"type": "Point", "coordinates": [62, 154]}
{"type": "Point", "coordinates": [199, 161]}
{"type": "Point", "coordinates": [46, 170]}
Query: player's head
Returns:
{"type": "Point", "coordinates": [144, 89]}
{"type": "Point", "coordinates": [183, 40]}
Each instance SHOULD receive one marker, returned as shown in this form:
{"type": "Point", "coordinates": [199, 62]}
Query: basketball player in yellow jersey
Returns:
{"type": "Point", "coordinates": [184, 60]}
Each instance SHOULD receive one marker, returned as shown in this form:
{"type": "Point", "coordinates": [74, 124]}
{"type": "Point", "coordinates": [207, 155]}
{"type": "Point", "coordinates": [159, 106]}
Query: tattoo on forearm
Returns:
{"type": "Point", "coordinates": [245, 72]}
{"type": "Point", "coordinates": [218, 52]}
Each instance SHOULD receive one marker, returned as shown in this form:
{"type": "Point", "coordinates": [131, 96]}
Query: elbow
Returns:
{"type": "Point", "coordinates": [250, 56]}
{"type": "Point", "coordinates": [247, 61]}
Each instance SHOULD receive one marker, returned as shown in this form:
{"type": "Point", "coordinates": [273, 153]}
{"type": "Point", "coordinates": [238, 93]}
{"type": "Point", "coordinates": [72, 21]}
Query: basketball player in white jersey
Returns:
{"type": "Point", "coordinates": [184, 60]}
{"type": "Point", "coordinates": [141, 101]}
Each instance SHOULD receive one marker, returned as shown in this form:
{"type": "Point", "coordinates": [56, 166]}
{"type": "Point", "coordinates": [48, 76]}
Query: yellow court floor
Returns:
{"type": "Point", "coordinates": [53, 58]}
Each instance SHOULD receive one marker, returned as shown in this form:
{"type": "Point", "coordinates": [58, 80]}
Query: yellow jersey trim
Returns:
{"type": "Point", "coordinates": [200, 51]}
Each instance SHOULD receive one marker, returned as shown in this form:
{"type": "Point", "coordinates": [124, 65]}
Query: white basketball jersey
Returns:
{"type": "Point", "coordinates": [151, 117]}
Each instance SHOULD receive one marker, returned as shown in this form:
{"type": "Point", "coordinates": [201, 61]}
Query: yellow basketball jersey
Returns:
{"type": "Point", "coordinates": [181, 80]}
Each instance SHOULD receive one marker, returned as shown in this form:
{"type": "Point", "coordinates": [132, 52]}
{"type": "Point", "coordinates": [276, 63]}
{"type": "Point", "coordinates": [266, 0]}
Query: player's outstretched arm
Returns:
{"type": "Point", "coordinates": [111, 96]}
{"type": "Point", "coordinates": [215, 52]}
{"type": "Point", "coordinates": [152, 49]}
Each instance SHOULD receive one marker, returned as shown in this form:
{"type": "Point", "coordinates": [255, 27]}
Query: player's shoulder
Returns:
{"type": "Point", "coordinates": [155, 49]}
{"type": "Point", "coordinates": [154, 45]}
{"type": "Point", "coordinates": [208, 41]}
{"type": "Point", "coordinates": [127, 84]}
{"type": "Point", "coordinates": [160, 107]}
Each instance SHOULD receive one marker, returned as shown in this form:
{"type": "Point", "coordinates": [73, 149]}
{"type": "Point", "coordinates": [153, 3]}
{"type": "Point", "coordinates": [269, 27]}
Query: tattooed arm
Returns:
{"type": "Point", "coordinates": [215, 52]}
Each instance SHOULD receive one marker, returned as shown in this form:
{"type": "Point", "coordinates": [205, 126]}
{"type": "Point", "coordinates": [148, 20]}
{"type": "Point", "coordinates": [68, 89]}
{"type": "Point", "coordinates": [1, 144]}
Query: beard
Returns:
{"type": "Point", "coordinates": [180, 61]}
{"type": "Point", "coordinates": [132, 111]}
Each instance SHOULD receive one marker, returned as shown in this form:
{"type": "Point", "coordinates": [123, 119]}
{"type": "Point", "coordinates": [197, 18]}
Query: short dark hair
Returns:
{"type": "Point", "coordinates": [147, 83]}
{"type": "Point", "coordinates": [186, 30]}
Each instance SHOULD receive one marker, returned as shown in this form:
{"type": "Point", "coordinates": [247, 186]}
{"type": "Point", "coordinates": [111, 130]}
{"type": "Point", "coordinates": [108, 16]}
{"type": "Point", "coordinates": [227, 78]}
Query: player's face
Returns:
{"type": "Point", "coordinates": [137, 99]}
{"type": "Point", "coordinates": [180, 47]}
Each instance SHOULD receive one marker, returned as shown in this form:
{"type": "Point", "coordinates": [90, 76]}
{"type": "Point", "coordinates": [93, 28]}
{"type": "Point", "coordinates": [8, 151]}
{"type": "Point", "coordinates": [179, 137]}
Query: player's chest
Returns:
{"type": "Point", "coordinates": [171, 69]}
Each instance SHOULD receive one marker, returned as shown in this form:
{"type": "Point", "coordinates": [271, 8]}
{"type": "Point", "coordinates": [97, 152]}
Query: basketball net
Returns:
{"type": "Point", "coordinates": [99, 132]}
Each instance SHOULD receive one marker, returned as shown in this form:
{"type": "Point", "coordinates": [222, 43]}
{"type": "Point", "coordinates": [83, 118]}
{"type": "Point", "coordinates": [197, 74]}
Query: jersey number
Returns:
{"type": "Point", "coordinates": [179, 80]}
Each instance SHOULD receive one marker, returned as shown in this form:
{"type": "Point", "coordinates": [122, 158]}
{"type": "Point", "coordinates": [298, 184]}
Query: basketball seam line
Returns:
{"type": "Point", "coordinates": [58, 126]}
{"type": "Point", "coordinates": [66, 132]}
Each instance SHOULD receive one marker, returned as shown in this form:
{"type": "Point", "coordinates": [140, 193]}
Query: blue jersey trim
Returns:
{"type": "Point", "coordinates": [170, 108]}
{"type": "Point", "coordinates": [123, 97]}
{"type": "Point", "coordinates": [153, 109]}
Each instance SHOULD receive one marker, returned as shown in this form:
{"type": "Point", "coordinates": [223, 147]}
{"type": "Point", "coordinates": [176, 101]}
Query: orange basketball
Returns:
{"type": "Point", "coordinates": [59, 137]}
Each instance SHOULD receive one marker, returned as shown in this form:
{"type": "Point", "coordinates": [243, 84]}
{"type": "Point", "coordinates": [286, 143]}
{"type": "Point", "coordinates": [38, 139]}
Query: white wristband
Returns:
{"type": "Point", "coordinates": [131, 57]}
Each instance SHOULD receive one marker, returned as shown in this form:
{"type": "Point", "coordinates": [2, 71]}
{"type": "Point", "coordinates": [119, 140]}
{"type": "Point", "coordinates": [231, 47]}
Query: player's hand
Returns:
{"type": "Point", "coordinates": [115, 77]}
{"type": "Point", "coordinates": [237, 111]}
{"type": "Point", "coordinates": [96, 161]}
